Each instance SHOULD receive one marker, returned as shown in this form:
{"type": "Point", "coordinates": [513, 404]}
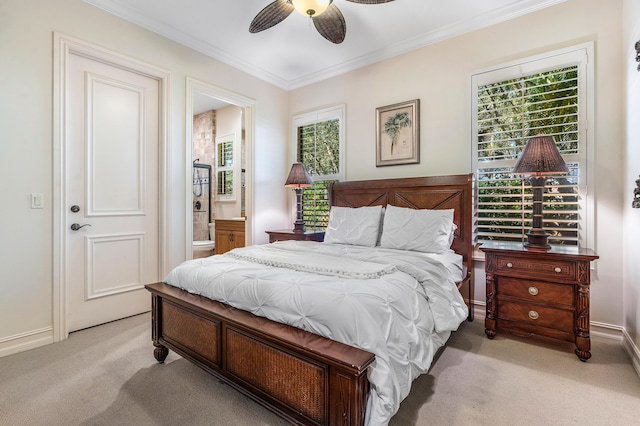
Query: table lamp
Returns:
{"type": "Point", "coordinates": [539, 158]}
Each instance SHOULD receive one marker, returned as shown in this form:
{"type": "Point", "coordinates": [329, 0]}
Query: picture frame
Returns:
{"type": "Point", "coordinates": [398, 134]}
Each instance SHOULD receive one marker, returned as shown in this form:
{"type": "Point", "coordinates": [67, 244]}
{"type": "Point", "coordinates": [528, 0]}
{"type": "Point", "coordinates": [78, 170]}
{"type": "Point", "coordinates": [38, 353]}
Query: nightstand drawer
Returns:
{"type": "Point", "coordinates": [536, 291]}
{"type": "Point", "coordinates": [554, 269]}
{"type": "Point", "coordinates": [536, 315]}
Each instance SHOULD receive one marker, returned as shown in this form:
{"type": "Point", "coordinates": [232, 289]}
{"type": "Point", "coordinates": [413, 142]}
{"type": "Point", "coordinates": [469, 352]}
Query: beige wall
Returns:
{"type": "Point", "coordinates": [631, 224]}
{"type": "Point", "coordinates": [26, 40]}
{"type": "Point", "coordinates": [439, 75]}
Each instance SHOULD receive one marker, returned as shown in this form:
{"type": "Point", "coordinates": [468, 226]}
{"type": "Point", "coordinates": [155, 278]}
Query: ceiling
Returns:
{"type": "Point", "coordinates": [293, 54]}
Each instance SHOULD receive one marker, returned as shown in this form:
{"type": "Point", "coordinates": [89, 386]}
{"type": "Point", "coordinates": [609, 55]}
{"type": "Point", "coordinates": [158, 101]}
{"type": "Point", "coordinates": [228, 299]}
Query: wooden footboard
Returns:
{"type": "Point", "coordinates": [303, 377]}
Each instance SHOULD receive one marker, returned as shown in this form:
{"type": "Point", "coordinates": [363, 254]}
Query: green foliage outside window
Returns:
{"type": "Point", "coordinates": [319, 151]}
{"type": "Point", "coordinates": [509, 113]}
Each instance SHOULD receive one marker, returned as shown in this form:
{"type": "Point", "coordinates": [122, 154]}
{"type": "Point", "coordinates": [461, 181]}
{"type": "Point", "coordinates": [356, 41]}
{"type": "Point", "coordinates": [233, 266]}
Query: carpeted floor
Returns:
{"type": "Point", "coordinates": [107, 375]}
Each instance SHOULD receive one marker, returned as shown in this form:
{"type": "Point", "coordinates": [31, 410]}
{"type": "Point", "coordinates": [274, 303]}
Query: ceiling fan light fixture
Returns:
{"type": "Point", "coordinates": [311, 7]}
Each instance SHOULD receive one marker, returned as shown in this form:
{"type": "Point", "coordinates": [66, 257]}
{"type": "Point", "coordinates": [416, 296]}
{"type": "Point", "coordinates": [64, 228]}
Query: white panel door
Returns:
{"type": "Point", "coordinates": [112, 183]}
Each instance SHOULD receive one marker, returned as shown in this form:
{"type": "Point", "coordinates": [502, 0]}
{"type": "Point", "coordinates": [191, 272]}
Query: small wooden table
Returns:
{"type": "Point", "coordinates": [289, 234]}
{"type": "Point", "coordinates": [545, 293]}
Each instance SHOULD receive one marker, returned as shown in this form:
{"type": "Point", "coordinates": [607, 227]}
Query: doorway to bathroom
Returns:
{"type": "Point", "coordinates": [219, 138]}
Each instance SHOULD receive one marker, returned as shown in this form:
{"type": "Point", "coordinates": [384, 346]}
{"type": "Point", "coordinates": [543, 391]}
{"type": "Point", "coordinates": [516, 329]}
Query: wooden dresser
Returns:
{"type": "Point", "coordinates": [288, 234]}
{"type": "Point", "coordinates": [230, 234]}
{"type": "Point", "coordinates": [543, 293]}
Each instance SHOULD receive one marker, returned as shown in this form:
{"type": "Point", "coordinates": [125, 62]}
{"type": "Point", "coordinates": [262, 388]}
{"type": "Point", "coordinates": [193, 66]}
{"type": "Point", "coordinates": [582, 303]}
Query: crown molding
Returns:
{"type": "Point", "coordinates": [511, 11]}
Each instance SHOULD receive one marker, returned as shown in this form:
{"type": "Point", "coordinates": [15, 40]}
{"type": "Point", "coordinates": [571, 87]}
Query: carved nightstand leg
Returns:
{"type": "Point", "coordinates": [583, 355]}
{"type": "Point", "coordinates": [490, 316]}
{"type": "Point", "coordinates": [160, 352]}
{"type": "Point", "coordinates": [583, 339]}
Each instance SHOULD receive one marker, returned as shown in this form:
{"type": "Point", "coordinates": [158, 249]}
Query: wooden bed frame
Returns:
{"type": "Point", "coordinates": [302, 377]}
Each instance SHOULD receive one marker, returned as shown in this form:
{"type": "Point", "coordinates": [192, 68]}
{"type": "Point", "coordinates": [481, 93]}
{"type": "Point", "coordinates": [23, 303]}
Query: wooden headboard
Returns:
{"type": "Point", "coordinates": [431, 192]}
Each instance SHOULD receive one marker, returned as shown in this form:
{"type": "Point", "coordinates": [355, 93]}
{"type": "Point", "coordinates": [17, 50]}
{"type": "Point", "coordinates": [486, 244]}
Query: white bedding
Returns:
{"type": "Point", "coordinates": [403, 309]}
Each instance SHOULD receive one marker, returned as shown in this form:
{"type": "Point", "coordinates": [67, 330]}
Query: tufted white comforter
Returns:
{"type": "Point", "coordinates": [399, 305]}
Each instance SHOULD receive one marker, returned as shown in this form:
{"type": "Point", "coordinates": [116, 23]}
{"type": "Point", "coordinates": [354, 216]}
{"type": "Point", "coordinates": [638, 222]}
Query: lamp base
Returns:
{"type": "Point", "coordinates": [298, 227]}
{"type": "Point", "coordinates": [537, 240]}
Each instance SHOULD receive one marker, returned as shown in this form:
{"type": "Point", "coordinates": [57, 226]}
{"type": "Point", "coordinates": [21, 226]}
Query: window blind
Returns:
{"type": "Point", "coordinates": [319, 146]}
{"type": "Point", "coordinates": [507, 113]}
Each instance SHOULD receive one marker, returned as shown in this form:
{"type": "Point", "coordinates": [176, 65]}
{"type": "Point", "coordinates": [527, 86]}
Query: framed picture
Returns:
{"type": "Point", "coordinates": [398, 134]}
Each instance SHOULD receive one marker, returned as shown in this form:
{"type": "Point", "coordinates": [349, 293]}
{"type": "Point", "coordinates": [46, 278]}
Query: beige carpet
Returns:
{"type": "Point", "coordinates": [107, 376]}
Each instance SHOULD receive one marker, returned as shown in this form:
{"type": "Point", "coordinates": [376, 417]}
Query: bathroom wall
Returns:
{"type": "Point", "coordinates": [204, 133]}
{"type": "Point", "coordinates": [229, 122]}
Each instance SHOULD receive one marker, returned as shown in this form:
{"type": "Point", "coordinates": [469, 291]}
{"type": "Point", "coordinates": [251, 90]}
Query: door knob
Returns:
{"type": "Point", "coordinates": [76, 226]}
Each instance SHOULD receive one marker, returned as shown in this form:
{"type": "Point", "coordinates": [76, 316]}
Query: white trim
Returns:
{"type": "Point", "coordinates": [631, 349]}
{"type": "Point", "coordinates": [329, 113]}
{"type": "Point", "coordinates": [510, 11]}
{"type": "Point", "coordinates": [24, 341]}
{"type": "Point", "coordinates": [248, 104]}
{"type": "Point", "coordinates": [608, 331]}
{"type": "Point", "coordinates": [63, 46]}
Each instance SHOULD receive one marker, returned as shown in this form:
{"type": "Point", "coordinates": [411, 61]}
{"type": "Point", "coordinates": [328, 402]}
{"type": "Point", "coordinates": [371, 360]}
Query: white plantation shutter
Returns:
{"type": "Point", "coordinates": [225, 165]}
{"type": "Point", "coordinates": [320, 147]}
{"type": "Point", "coordinates": [545, 95]}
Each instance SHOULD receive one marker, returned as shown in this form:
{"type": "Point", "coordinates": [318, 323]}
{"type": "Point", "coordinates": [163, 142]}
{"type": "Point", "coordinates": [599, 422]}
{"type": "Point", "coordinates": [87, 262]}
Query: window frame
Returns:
{"type": "Point", "coordinates": [581, 55]}
{"type": "Point", "coordinates": [313, 117]}
{"type": "Point", "coordinates": [220, 140]}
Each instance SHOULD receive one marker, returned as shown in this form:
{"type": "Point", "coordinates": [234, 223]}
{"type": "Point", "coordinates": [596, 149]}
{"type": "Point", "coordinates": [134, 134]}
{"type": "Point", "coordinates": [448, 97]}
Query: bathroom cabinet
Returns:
{"type": "Point", "coordinates": [229, 234]}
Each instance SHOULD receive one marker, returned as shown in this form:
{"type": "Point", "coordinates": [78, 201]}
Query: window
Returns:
{"type": "Point", "coordinates": [225, 164]}
{"type": "Point", "coordinates": [319, 145]}
{"type": "Point", "coordinates": [549, 94]}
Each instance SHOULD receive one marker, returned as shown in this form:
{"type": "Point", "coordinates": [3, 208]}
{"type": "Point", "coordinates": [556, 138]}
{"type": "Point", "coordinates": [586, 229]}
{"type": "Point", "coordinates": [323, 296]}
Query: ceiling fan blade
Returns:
{"type": "Point", "coordinates": [369, 1]}
{"type": "Point", "coordinates": [331, 24]}
{"type": "Point", "coordinates": [272, 14]}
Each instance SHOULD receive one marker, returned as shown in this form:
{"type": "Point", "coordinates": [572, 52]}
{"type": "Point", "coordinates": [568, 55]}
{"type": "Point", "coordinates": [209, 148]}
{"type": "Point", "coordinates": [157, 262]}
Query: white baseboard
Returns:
{"type": "Point", "coordinates": [22, 342]}
{"type": "Point", "coordinates": [607, 331]}
{"type": "Point", "coordinates": [631, 349]}
{"type": "Point", "coordinates": [599, 329]}
{"type": "Point", "coordinates": [479, 310]}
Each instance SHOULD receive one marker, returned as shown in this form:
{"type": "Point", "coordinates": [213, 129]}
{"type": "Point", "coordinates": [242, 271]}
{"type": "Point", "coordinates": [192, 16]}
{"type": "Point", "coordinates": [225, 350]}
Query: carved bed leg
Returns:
{"type": "Point", "coordinates": [160, 352]}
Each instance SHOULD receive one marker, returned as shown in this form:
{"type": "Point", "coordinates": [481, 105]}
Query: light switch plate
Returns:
{"type": "Point", "coordinates": [37, 201]}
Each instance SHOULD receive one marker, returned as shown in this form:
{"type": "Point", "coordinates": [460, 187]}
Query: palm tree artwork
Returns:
{"type": "Point", "coordinates": [394, 124]}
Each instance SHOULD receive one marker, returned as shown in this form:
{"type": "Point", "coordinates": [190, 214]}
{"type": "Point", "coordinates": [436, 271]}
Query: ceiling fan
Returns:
{"type": "Point", "coordinates": [326, 16]}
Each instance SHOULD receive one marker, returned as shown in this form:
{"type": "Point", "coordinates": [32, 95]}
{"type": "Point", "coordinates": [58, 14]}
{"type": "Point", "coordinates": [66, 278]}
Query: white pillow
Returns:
{"type": "Point", "coordinates": [357, 226]}
{"type": "Point", "coordinates": [428, 231]}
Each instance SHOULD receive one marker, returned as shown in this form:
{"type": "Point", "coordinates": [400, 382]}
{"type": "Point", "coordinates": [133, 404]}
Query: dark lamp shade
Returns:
{"type": "Point", "coordinates": [298, 177]}
{"type": "Point", "coordinates": [540, 156]}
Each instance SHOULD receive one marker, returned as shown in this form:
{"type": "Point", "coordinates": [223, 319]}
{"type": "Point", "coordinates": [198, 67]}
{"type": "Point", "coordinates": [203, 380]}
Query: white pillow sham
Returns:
{"type": "Point", "coordinates": [428, 231]}
{"type": "Point", "coordinates": [356, 226]}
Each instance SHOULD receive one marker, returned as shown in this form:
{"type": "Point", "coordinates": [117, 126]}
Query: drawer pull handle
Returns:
{"type": "Point", "coordinates": [533, 315]}
{"type": "Point", "coordinates": [509, 265]}
{"type": "Point", "coordinates": [558, 269]}
{"type": "Point", "coordinates": [533, 291]}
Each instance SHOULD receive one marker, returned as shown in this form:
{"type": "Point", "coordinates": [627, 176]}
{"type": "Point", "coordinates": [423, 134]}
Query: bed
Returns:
{"type": "Point", "coordinates": [307, 371]}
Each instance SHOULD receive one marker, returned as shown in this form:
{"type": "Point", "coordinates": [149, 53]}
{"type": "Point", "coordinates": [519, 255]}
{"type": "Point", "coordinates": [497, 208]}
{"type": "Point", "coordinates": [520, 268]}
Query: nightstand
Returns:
{"type": "Point", "coordinates": [543, 293]}
{"type": "Point", "coordinates": [288, 234]}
